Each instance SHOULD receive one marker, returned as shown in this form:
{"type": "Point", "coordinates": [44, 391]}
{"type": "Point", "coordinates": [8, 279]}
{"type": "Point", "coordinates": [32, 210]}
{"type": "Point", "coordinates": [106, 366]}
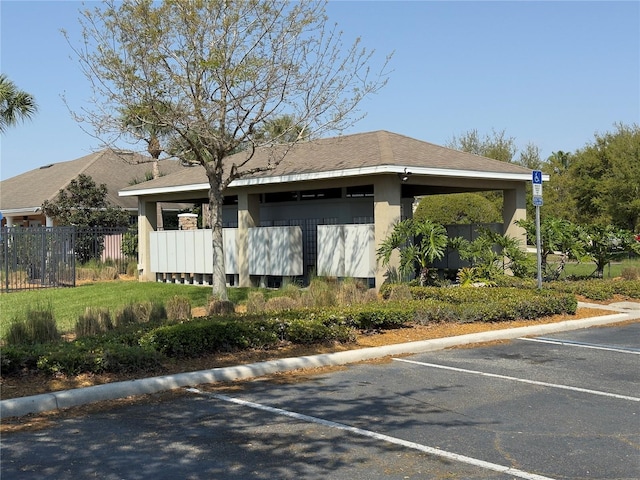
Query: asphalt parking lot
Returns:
{"type": "Point", "coordinates": [563, 406]}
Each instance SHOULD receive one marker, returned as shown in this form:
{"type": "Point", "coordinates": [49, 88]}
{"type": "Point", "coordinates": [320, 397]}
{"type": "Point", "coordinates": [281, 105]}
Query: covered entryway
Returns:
{"type": "Point", "coordinates": [370, 178]}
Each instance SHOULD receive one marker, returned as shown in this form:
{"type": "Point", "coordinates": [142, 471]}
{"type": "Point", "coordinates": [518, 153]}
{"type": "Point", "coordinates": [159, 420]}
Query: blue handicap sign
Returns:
{"type": "Point", "coordinates": [536, 177]}
{"type": "Point", "coordinates": [537, 201]}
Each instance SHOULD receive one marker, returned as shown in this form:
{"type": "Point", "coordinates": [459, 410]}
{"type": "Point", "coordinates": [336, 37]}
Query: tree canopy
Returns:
{"type": "Point", "coordinates": [214, 74]}
{"type": "Point", "coordinates": [15, 105]}
{"type": "Point", "coordinates": [605, 179]}
{"type": "Point", "coordinates": [84, 204]}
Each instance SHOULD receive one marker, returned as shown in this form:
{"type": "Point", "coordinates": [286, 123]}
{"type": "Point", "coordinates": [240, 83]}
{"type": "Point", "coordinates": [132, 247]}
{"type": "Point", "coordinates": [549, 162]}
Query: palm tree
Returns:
{"type": "Point", "coordinates": [15, 105]}
{"type": "Point", "coordinates": [283, 129]}
{"type": "Point", "coordinates": [140, 120]}
{"type": "Point", "coordinates": [419, 242]}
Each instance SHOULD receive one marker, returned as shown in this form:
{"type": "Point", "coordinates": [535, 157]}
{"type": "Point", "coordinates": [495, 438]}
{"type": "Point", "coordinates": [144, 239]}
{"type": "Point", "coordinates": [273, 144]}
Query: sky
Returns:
{"type": "Point", "coordinates": [547, 73]}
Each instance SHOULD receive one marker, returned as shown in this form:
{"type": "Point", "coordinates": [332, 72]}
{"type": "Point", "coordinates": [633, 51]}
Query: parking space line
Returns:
{"type": "Point", "coordinates": [522, 380]}
{"type": "Point", "coordinates": [377, 436]}
{"type": "Point", "coordinates": [570, 343]}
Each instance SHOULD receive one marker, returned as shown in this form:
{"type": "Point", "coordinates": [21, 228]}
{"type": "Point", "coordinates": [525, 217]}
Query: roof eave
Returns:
{"type": "Point", "coordinates": [352, 172]}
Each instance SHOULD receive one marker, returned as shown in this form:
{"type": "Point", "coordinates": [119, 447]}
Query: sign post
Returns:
{"type": "Point", "coordinates": [536, 182]}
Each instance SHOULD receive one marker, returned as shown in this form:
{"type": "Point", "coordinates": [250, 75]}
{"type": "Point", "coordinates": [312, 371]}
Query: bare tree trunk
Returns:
{"type": "Point", "coordinates": [219, 280]}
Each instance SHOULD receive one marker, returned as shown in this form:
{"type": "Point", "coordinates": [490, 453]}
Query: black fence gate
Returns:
{"type": "Point", "coordinates": [37, 257]}
{"type": "Point", "coordinates": [46, 257]}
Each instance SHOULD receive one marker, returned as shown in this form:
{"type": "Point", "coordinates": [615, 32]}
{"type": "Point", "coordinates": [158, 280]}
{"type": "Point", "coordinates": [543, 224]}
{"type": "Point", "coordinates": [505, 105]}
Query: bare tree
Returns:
{"type": "Point", "coordinates": [216, 72]}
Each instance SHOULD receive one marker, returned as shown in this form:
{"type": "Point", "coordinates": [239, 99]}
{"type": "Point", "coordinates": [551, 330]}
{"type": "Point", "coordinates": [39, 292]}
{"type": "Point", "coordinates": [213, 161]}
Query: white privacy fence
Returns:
{"type": "Point", "coordinates": [346, 251]}
{"type": "Point", "coordinates": [186, 256]}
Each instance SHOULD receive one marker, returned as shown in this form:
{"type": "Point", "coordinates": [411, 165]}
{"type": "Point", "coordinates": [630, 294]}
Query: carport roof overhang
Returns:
{"type": "Point", "coordinates": [415, 172]}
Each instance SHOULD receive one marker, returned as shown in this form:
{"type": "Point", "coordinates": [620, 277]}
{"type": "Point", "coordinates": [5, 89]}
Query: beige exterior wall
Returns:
{"type": "Point", "coordinates": [146, 224]}
{"type": "Point", "coordinates": [386, 211]}
{"type": "Point", "coordinates": [514, 208]}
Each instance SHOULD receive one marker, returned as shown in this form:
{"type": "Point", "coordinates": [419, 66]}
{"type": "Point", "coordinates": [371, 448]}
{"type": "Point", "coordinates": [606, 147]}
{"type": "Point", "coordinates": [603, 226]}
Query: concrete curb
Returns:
{"type": "Point", "coordinates": [17, 407]}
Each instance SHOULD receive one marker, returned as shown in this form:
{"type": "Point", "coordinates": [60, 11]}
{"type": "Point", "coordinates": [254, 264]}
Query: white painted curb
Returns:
{"type": "Point", "coordinates": [17, 407]}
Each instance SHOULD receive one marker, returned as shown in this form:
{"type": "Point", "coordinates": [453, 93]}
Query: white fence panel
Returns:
{"type": "Point", "coordinates": [190, 251]}
{"type": "Point", "coordinates": [359, 251]}
{"type": "Point", "coordinates": [330, 261]}
{"type": "Point", "coordinates": [346, 251]}
{"type": "Point", "coordinates": [275, 251]}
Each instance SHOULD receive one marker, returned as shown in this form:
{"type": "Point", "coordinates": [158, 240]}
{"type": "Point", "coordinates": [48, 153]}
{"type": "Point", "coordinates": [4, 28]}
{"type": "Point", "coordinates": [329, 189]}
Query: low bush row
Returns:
{"type": "Point", "coordinates": [141, 347]}
{"type": "Point", "coordinates": [599, 289]}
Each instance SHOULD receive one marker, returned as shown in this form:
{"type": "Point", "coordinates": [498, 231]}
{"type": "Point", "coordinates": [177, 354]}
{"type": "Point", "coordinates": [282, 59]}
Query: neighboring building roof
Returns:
{"type": "Point", "coordinates": [116, 169]}
{"type": "Point", "coordinates": [349, 155]}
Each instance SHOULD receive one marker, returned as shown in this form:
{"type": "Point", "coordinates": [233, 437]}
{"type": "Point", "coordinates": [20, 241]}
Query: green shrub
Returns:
{"type": "Point", "coordinates": [307, 332]}
{"type": "Point", "coordinates": [178, 308]}
{"type": "Point", "coordinates": [75, 358]}
{"type": "Point", "coordinates": [208, 336]}
{"type": "Point", "coordinates": [37, 326]}
{"type": "Point", "coordinates": [16, 359]}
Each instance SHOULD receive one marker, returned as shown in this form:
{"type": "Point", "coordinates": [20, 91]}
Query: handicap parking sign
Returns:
{"type": "Point", "coordinates": [536, 177]}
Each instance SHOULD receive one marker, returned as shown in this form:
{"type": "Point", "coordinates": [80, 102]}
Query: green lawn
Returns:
{"type": "Point", "coordinates": [69, 303]}
{"type": "Point", "coordinates": [612, 270]}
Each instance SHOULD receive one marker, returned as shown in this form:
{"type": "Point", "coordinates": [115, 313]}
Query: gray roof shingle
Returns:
{"type": "Point", "coordinates": [372, 149]}
{"type": "Point", "coordinates": [115, 169]}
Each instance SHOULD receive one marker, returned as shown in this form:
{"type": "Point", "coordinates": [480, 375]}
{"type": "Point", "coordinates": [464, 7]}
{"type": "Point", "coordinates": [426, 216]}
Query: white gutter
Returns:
{"type": "Point", "coordinates": [20, 211]}
{"type": "Point", "coordinates": [353, 172]}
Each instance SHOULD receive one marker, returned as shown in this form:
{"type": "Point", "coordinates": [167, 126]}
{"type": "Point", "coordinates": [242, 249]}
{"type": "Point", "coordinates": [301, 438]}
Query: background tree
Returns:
{"type": "Point", "coordinates": [605, 179]}
{"type": "Point", "coordinates": [84, 204]}
{"type": "Point", "coordinates": [221, 70]}
{"type": "Point", "coordinates": [558, 202]}
{"type": "Point", "coordinates": [15, 105]}
{"type": "Point", "coordinates": [418, 242]}
{"type": "Point", "coordinates": [530, 157]}
{"type": "Point", "coordinates": [607, 243]}
{"type": "Point", "coordinates": [557, 235]}
{"type": "Point", "coordinates": [457, 208]}
{"type": "Point", "coordinates": [495, 145]}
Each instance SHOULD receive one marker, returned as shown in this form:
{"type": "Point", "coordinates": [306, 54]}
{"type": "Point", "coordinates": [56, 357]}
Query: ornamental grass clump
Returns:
{"type": "Point", "coordinates": [38, 326]}
{"type": "Point", "coordinates": [178, 308]}
{"type": "Point", "coordinates": [93, 322]}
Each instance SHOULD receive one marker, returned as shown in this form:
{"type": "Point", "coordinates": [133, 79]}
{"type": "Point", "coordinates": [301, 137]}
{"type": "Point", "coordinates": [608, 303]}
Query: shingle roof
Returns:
{"type": "Point", "coordinates": [372, 149]}
{"type": "Point", "coordinates": [115, 169]}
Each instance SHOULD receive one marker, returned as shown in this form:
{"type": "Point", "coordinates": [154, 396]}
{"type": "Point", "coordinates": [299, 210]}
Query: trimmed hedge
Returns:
{"type": "Point", "coordinates": [599, 289]}
{"type": "Point", "coordinates": [141, 347]}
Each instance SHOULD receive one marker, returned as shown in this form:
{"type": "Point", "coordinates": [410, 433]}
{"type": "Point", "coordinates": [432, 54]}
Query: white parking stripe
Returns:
{"type": "Point", "coordinates": [633, 351]}
{"type": "Point", "coordinates": [522, 380]}
{"type": "Point", "coordinates": [378, 436]}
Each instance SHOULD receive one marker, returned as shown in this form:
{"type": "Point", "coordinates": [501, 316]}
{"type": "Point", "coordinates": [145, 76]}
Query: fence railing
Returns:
{"type": "Point", "coordinates": [48, 257]}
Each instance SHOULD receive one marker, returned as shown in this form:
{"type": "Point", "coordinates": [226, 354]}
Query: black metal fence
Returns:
{"type": "Point", "coordinates": [48, 257]}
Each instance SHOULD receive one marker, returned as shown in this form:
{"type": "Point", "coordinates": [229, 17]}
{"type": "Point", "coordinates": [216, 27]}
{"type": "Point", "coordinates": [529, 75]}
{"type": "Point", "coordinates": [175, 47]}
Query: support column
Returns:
{"type": "Point", "coordinates": [147, 217]}
{"type": "Point", "coordinates": [9, 222]}
{"type": "Point", "coordinates": [515, 208]}
{"type": "Point", "coordinates": [386, 212]}
{"type": "Point", "coordinates": [248, 217]}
